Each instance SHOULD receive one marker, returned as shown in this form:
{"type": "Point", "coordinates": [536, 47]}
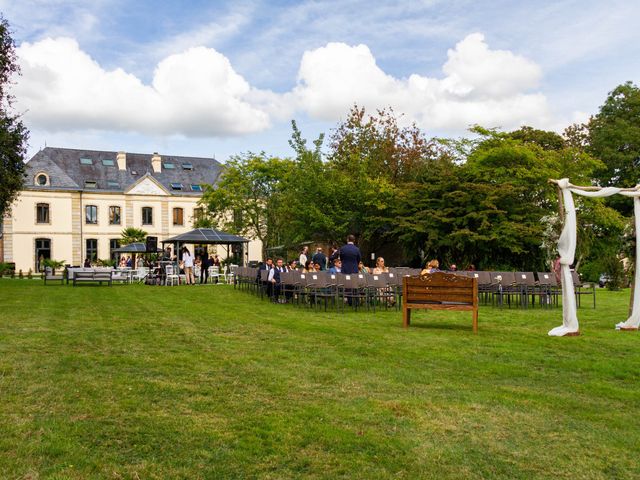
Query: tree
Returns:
{"type": "Point", "coordinates": [13, 134]}
{"type": "Point", "coordinates": [614, 136]}
{"type": "Point", "coordinates": [132, 235]}
{"type": "Point", "coordinates": [245, 199]}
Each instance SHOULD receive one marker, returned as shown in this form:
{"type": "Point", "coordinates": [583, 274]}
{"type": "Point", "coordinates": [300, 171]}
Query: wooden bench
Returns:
{"type": "Point", "coordinates": [440, 291]}
{"type": "Point", "coordinates": [97, 276]}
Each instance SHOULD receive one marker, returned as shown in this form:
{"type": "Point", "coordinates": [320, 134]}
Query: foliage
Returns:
{"type": "Point", "coordinates": [6, 268]}
{"type": "Point", "coordinates": [13, 133]}
{"type": "Point", "coordinates": [132, 235]}
{"type": "Point", "coordinates": [244, 199]}
{"type": "Point", "coordinates": [106, 262]}
{"type": "Point", "coordinates": [53, 264]}
{"type": "Point", "coordinates": [614, 136]}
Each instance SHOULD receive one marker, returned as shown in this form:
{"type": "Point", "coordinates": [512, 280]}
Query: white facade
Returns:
{"type": "Point", "coordinates": [62, 221]}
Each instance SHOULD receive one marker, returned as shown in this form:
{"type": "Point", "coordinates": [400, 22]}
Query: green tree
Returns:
{"type": "Point", "coordinates": [614, 136]}
{"type": "Point", "coordinates": [132, 235]}
{"type": "Point", "coordinates": [245, 199]}
{"type": "Point", "coordinates": [13, 134]}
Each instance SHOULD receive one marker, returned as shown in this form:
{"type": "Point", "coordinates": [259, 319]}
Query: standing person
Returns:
{"type": "Point", "coordinates": [320, 258]}
{"type": "Point", "coordinates": [303, 255]}
{"type": "Point", "coordinates": [274, 279]}
{"type": "Point", "coordinates": [204, 269]}
{"type": "Point", "coordinates": [350, 256]}
{"type": "Point", "coordinates": [187, 260]}
{"type": "Point", "coordinates": [335, 253]}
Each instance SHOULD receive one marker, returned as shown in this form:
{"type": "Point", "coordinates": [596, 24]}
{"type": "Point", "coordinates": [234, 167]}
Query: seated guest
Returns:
{"type": "Point", "coordinates": [293, 265]}
{"type": "Point", "coordinates": [380, 267]}
{"type": "Point", "coordinates": [362, 268]}
{"type": "Point", "coordinates": [87, 263]}
{"type": "Point", "coordinates": [337, 266]}
{"type": "Point", "coordinates": [453, 267]}
{"type": "Point", "coordinates": [432, 267]}
{"type": "Point", "coordinates": [308, 267]}
{"type": "Point", "coordinates": [317, 267]}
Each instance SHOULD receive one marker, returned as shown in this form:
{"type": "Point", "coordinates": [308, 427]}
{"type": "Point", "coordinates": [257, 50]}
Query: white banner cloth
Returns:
{"type": "Point", "coordinates": [567, 251]}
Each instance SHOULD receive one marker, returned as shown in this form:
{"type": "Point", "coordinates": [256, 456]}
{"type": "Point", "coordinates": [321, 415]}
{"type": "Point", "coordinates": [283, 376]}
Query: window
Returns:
{"type": "Point", "coordinates": [176, 186]}
{"type": "Point", "coordinates": [92, 249]}
{"type": "Point", "coordinates": [113, 244]}
{"type": "Point", "coordinates": [169, 165]}
{"type": "Point", "coordinates": [114, 215]}
{"type": "Point", "coordinates": [91, 214]}
{"type": "Point", "coordinates": [196, 188]}
{"type": "Point", "coordinates": [198, 214]}
{"type": "Point", "coordinates": [85, 161]}
{"type": "Point", "coordinates": [178, 216]}
{"type": "Point", "coordinates": [147, 216]}
{"type": "Point", "coordinates": [187, 166]}
{"type": "Point", "coordinates": [108, 162]}
{"type": "Point", "coordinates": [112, 184]}
{"type": "Point", "coordinates": [42, 213]}
{"type": "Point", "coordinates": [42, 180]}
{"type": "Point", "coordinates": [90, 184]}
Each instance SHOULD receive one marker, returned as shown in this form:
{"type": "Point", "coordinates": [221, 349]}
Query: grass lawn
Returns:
{"type": "Point", "coordinates": [208, 382]}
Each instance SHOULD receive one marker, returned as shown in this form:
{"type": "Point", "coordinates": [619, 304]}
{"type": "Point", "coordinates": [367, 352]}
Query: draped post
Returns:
{"type": "Point", "coordinates": [567, 248]}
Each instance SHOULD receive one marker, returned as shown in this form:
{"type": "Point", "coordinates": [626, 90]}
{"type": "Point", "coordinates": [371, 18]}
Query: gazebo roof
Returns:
{"type": "Point", "coordinates": [137, 247]}
{"type": "Point", "coordinates": [206, 236]}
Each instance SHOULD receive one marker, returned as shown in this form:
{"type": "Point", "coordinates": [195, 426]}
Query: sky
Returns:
{"type": "Point", "coordinates": [216, 79]}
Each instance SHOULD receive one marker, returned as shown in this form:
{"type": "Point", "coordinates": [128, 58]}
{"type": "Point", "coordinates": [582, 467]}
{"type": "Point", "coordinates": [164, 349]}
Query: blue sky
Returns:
{"type": "Point", "coordinates": [219, 78]}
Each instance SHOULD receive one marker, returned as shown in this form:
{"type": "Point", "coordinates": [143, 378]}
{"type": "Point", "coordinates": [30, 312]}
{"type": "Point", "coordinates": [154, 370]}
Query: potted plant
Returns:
{"type": "Point", "coordinates": [53, 264]}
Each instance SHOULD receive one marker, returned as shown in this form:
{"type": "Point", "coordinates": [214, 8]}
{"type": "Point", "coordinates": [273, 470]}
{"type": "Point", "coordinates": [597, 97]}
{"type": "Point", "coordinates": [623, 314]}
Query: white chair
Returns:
{"type": "Point", "coordinates": [171, 276]}
{"type": "Point", "coordinates": [231, 272]}
{"type": "Point", "coordinates": [140, 274]}
{"type": "Point", "coordinates": [214, 272]}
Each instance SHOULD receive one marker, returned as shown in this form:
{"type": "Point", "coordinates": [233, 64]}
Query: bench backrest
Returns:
{"type": "Point", "coordinates": [440, 287]}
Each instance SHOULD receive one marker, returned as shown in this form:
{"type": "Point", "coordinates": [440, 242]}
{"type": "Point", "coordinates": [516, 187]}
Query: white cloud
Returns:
{"type": "Point", "coordinates": [194, 93]}
{"type": "Point", "coordinates": [197, 93]}
{"type": "Point", "coordinates": [489, 87]}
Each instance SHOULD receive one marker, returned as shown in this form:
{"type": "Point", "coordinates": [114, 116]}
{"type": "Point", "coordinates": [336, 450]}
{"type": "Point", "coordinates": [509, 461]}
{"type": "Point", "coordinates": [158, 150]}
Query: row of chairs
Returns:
{"type": "Point", "coordinates": [323, 289]}
{"type": "Point", "coordinates": [521, 289]}
{"type": "Point", "coordinates": [525, 289]}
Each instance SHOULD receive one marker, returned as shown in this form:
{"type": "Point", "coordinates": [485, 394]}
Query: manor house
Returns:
{"type": "Point", "coordinates": [75, 203]}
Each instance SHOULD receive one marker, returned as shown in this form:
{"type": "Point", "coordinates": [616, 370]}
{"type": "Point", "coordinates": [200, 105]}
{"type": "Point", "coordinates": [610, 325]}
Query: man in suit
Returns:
{"type": "Point", "coordinates": [268, 265]}
{"type": "Point", "coordinates": [275, 280]}
{"type": "Point", "coordinates": [350, 256]}
{"type": "Point", "coordinates": [320, 257]}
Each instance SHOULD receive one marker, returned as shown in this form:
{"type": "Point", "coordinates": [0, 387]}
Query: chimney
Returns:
{"type": "Point", "coordinates": [156, 162]}
{"type": "Point", "coordinates": [121, 158]}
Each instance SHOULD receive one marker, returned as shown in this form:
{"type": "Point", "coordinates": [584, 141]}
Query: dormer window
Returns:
{"type": "Point", "coordinates": [42, 180]}
{"type": "Point", "coordinates": [133, 172]}
{"type": "Point", "coordinates": [90, 184]}
{"type": "Point", "coordinates": [196, 188]}
{"type": "Point", "coordinates": [168, 166]}
{"type": "Point", "coordinates": [85, 161]}
{"type": "Point", "coordinates": [187, 166]}
{"type": "Point", "coordinates": [108, 162]}
{"type": "Point", "coordinates": [176, 186]}
{"type": "Point", "coordinates": [112, 184]}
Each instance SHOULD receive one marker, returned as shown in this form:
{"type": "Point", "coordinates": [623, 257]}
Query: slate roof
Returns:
{"type": "Point", "coordinates": [65, 171]}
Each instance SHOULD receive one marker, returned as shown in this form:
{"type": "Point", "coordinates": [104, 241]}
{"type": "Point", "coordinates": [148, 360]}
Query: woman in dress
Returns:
{"type": "Point", "coordinates": [380, 267]}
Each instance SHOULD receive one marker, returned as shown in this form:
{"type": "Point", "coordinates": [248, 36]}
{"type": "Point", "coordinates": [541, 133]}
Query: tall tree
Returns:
{"type": "Point", "coordinates": [13, 133]}
{"type": "Point", "coordinates": [614, 136]}
{"type": "Point", "coordinates": [245, 199]}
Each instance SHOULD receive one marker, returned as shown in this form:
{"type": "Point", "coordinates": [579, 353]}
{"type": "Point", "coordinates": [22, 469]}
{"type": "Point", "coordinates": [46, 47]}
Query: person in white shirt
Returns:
{"type": "Point", "coordinates": [187, 260]}
{"type": "Point", "coordinates": [303, 256]}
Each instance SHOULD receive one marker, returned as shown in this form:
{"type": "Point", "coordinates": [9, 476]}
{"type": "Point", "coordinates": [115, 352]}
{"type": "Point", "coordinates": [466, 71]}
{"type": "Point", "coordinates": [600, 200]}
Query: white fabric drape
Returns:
{"type": "Point", "coordinates": [567, 250]}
